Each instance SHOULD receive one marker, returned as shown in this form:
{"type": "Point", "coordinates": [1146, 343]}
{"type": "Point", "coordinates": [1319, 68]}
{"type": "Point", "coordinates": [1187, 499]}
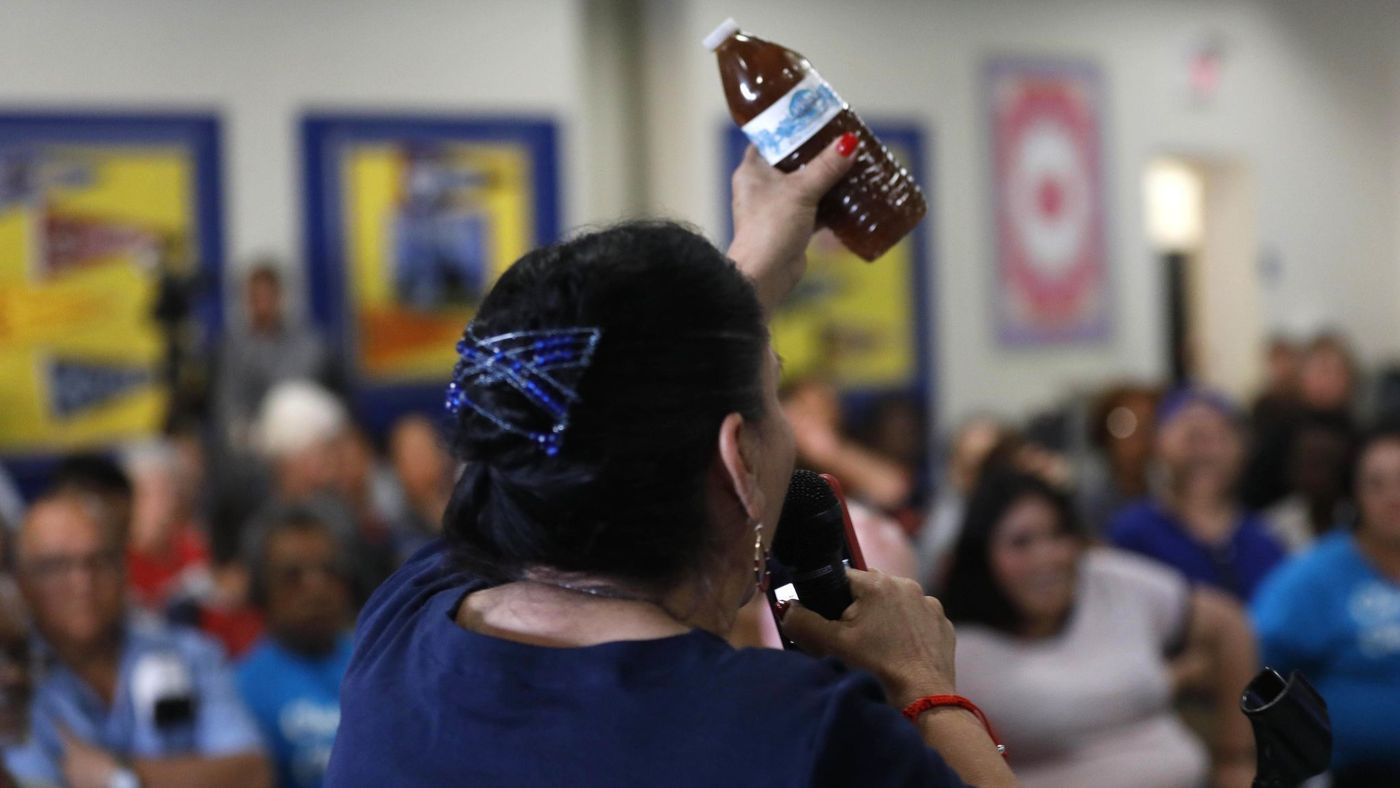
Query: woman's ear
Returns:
{"type": "Point", "coordinates": [739, 461]}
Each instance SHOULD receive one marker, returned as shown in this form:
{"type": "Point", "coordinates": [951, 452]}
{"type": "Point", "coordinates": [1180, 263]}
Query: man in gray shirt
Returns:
{"type": "Point", "coordinates": [268, 350]}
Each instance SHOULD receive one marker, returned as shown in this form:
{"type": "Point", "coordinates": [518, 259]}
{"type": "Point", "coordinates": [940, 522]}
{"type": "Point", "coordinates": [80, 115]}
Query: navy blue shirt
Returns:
{"type": "Point", "coordinates": [426, 702]}
{"type": "Point", "coordinates": [1236, 567]}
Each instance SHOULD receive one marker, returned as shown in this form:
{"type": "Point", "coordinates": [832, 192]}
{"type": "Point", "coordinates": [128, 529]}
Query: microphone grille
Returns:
{"type": "Point", "coordinates": [804, 538]}
{"type": "Point", "coordinates": [808, 493]}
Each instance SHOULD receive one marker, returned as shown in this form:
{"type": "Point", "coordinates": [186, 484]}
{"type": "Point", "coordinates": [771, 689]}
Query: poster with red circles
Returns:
{"type": "Point", "coordinates": [1052, 284]}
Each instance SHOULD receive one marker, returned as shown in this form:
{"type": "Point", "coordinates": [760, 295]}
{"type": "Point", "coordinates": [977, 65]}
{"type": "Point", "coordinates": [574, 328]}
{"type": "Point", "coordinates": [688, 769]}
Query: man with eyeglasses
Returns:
{"type": "Point", "coordinates": [291, 679]}
{"type": "Point", "coordinates": [121, 702]}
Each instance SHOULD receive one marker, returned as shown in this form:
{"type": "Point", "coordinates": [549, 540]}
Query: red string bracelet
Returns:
{"type": "Point", "coordinates": [913, 710]}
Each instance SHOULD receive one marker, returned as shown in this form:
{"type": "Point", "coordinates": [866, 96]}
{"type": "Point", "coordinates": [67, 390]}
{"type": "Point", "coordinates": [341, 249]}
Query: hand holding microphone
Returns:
{"type": "Point", "coordinates": [891, 630]}
{"type": "Point", "coordinates": [812, 543]}
{"type": "Point", "coordinates": [869, 620]}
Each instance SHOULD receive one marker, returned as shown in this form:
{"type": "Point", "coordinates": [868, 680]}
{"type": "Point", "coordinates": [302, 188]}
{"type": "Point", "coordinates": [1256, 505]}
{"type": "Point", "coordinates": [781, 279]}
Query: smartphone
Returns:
{"type": "Point", "coordinates": [779, 587]}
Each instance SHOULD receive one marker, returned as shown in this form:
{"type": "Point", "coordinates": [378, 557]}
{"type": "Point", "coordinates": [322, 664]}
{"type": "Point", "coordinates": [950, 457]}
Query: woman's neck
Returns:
{"type": "Point", "coordinates": [572, 612]}
{"type": "Point", "coordinates": [1042, 627]}
{"type": "Point", "coordinates": [1322, 513]}
{"type": "Point", "coordinates": [1384, 554]}
{"type": "Point", "coordinates": [1040, 630]}
{"type": "Point", "coordinates": [1207, 516]}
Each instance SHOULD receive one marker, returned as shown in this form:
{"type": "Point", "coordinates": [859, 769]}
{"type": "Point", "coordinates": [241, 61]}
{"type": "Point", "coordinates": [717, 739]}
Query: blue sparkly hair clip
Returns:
{"type": "Point", "coordinates": [544, 366]}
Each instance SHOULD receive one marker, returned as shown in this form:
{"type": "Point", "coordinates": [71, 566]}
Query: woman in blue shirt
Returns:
{"type": "Point", "coordinates": [1195, 523]}
{"type": "Point", "coordinates": [1334, 614]}
{"type": "Point", "coordinates": [302, 580]}
{"type": "Point", "coordinates": [618, 398]}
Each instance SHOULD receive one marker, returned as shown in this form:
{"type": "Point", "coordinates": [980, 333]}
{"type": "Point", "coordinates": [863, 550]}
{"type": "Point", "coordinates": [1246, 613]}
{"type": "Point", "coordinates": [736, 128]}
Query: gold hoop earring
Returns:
{"type": "Point", "coordinates": [760, 559]}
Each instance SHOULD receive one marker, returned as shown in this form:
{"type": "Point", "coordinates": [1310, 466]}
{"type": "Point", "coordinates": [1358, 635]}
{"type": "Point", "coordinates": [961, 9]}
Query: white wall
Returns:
{"type": "Point", "coordinates": [1224, 297]}
{"type": "Point", "coordinates": [1306, 103]}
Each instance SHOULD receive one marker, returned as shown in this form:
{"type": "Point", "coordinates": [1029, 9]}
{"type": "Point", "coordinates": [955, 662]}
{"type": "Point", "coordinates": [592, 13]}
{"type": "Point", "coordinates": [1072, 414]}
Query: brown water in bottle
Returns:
{"type": "Point", "coordinates": [878, 202]}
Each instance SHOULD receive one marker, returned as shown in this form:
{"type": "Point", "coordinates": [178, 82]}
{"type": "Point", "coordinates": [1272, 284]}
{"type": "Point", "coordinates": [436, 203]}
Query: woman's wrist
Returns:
{"type": "Point", "coordinates": [905, 690]}
{"type": "Point", "coordinates": [770, 276]}
{"type": "Point", "coordinates": [934, 704]}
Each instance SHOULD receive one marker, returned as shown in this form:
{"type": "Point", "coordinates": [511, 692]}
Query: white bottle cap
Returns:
{"type": "Point", "coordinates": [726, 29]}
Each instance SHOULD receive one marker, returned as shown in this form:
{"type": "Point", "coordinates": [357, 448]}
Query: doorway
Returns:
{"type": "Point", "coordinates": [1201, 222]}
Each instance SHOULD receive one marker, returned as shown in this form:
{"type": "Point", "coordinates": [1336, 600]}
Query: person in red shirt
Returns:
{"type": "Point", "coordinates": [166, 556]}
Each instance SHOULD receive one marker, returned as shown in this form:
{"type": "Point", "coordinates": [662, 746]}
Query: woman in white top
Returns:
{"type": "Point", "coordinates": [1075, 652]}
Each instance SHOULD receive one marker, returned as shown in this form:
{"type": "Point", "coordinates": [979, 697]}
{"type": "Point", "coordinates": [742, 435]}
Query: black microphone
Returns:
{"type": "Point", "coordinates": [810, 544]}
{"type": "Point", "coordinates": [1292, 730]}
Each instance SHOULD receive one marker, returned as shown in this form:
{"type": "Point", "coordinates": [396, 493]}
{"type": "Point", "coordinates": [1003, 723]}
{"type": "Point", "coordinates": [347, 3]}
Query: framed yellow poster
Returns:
{"type": "Point", "coordinates": [99, 215]}
{"type": "Point", "coordinates": [410, 222]}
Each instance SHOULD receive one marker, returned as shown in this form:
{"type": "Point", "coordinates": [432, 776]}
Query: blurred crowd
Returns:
{"type": "Point", "coordinates": [181, 611]}
{"type": "Point", "coordinates": [1121, 565]}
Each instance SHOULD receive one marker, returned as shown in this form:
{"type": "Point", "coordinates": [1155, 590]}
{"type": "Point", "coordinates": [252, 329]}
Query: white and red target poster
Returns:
{"type": "Point", "coordinates": [1052, 283]}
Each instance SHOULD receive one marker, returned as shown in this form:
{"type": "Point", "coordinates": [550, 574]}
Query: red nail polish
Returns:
{"type": "Point", "coordinates": [782, 607]}
{"type": "Point", "coordinates": [847, 145]}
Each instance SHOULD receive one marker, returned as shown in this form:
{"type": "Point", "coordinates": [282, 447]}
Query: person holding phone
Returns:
{"type": "Point", "coordinates": [617, 396]}
{"type": "Point", "coordinates": [123, 702]}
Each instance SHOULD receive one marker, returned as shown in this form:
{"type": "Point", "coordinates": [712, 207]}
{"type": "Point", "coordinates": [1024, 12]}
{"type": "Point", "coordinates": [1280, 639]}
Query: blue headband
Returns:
{"type": "Point", "coordinates": [1182, 398]}
{"type": "Point", "coordinates": [544, 366]}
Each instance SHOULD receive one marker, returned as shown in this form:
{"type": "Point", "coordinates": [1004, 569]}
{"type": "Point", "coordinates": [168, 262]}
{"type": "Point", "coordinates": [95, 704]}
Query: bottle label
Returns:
{"type": "Point", "coordinates": [794, 118]}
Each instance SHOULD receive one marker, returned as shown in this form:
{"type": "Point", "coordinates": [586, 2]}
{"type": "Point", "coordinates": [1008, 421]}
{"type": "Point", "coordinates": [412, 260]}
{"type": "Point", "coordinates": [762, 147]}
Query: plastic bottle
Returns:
{"type": "Point", "coordinates": [791, 114]}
